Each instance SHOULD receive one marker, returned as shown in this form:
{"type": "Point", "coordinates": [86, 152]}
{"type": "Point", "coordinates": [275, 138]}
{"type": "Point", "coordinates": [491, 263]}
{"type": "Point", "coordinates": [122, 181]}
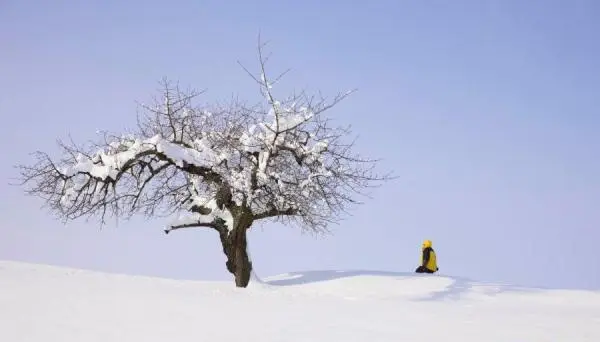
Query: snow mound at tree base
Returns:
{"type": "Point", "coordinates": [47, 303]}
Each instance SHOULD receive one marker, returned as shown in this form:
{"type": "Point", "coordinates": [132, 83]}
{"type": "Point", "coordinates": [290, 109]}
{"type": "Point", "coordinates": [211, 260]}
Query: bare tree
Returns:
{"type": "Point", "coordinates": [222, 167]}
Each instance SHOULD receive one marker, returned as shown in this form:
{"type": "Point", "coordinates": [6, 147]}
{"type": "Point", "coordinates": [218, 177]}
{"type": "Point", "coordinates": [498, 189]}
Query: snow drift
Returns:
{"type": "Point", "coordinates": [47, 303]}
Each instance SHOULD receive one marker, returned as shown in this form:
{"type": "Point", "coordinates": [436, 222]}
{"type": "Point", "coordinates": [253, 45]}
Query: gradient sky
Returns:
{"type": "Point", "coordinates": [488, 111]}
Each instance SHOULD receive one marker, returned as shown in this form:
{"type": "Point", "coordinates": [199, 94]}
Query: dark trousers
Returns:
{"type": "Point", "coordinates": [422, 269]}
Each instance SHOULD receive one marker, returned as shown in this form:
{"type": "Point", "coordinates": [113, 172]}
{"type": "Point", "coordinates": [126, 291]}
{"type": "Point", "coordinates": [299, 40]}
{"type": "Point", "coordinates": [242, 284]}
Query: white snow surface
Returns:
{"type": "Point", "coordinates": [49, 303]}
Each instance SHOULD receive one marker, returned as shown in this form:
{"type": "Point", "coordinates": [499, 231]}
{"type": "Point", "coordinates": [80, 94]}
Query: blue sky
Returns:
{"type": "Point", "coordinates": [487, 112]}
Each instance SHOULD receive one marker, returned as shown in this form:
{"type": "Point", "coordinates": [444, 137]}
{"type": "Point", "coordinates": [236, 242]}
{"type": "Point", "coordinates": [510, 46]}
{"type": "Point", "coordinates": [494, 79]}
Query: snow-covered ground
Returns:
{"type": "Point", "coordinates": [46, 303]}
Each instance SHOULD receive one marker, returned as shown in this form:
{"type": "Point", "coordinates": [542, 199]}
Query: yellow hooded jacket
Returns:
{"type": "Point", "coordinates": [429, 259]}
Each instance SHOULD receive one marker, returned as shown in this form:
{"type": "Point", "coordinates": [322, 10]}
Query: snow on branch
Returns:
{"type": "Point", "coordinates": [205, 166]}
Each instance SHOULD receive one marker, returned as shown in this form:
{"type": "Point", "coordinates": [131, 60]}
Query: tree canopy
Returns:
{"type": "Point", "coordinates": [217, 166]}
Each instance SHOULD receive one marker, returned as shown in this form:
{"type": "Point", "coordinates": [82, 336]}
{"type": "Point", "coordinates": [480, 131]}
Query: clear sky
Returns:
{"type": "Point", "coordinates": [488, 111]}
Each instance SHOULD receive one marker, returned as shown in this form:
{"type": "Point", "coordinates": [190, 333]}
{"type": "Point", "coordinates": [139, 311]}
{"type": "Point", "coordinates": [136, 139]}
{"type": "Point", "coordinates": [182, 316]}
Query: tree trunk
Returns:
{"type": "Point", "coordinates": [234, 246]}
{"type": "Point", "coordinates": [243, 266]}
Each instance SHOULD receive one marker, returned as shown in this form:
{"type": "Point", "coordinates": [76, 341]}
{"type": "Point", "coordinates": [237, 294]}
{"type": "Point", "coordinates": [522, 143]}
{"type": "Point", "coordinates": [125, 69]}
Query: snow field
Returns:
{"type": "Point", "coordinates": [47, 303]}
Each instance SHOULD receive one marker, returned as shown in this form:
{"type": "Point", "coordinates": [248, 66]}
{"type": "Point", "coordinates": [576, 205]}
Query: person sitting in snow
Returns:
{"type": "Point", "coordinates": [428, 259]}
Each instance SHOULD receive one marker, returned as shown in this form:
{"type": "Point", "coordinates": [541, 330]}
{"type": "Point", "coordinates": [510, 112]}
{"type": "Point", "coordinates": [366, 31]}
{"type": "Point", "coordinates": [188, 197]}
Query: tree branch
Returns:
{"type": "Point", "coordinates": [191, 225]}
{"type": "Point", "coordinates": [273, 212]}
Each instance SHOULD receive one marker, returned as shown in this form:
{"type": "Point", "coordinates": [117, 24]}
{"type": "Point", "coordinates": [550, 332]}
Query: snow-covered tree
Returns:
{"type": "Point", "coordinates": [223, 167]}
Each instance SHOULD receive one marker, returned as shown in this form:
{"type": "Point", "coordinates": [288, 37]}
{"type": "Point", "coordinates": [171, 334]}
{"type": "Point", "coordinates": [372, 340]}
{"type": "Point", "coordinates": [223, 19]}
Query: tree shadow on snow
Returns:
{"type": "Point", "coordinates": [298, 278]}
{"type": "Point", "coordinates": [455, 290]}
